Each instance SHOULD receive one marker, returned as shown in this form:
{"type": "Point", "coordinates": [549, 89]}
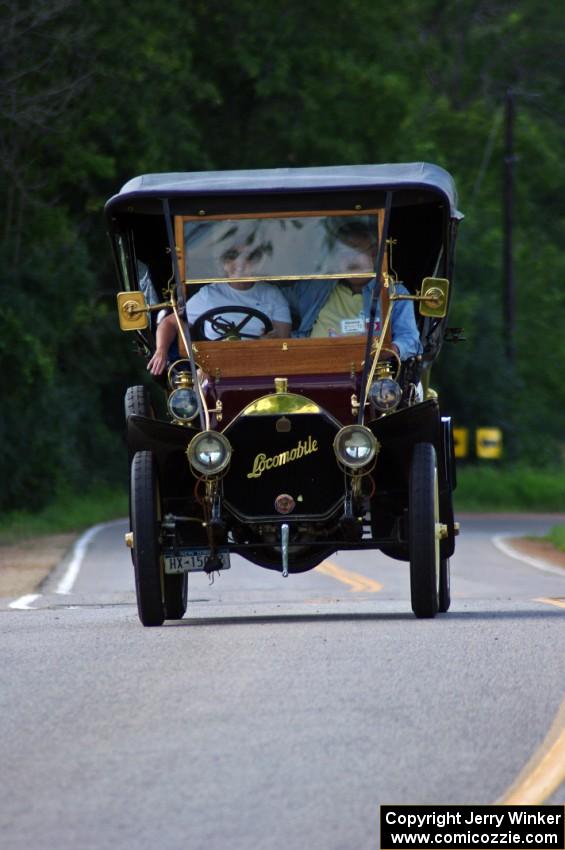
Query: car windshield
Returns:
{"type": "Point", "coordinates": [291, 275]}
{"type": "Point", "coordinates": [279, 249]}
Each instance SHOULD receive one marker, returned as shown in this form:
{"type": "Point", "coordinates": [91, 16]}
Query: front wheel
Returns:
{"type": "Point", "coordinates": [136, 403]}
{"type": "Point", "coordinates": [176, 595]}
{"type": "Point", "coordinates": [444, 586]}
{"type": "Point", "coordinates": [423, 517]}
{"type": "Point", "coordinates": [145, 511]}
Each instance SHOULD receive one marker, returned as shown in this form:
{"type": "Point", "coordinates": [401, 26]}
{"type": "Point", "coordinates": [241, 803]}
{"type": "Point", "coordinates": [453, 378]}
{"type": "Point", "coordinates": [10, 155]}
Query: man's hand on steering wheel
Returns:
{"type": "Point", "coordinates": [229, 329]}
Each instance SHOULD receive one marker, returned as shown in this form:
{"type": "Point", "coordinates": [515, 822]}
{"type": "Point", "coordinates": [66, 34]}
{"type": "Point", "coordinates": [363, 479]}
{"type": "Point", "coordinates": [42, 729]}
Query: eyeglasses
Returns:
{"type": "Point", "coordinates": [233, 254]}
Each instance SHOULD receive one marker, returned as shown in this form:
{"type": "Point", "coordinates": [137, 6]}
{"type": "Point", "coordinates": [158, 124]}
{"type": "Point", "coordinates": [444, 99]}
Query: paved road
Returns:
{"type": "Point", "coordinates": [280, 712]}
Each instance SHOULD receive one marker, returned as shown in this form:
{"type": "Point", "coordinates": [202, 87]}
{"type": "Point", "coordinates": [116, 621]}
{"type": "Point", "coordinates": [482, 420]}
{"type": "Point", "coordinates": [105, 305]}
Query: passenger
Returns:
{"type": "Point", "coordinates": [341, 307]}
{"type": "Point", "coordinates": [238, 261]}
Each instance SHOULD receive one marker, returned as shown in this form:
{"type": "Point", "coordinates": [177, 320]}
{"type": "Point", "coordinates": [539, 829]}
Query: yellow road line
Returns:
{"type": "Point", "coordinates": [558, 601]}
{"type": "Point", "coordinates": [544, 772]}
{"type": "Point", "coordinates": [357, 583]}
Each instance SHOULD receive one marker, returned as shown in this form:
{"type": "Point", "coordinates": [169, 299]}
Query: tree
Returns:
{"type": "Point", "coordinates": [91, 95]}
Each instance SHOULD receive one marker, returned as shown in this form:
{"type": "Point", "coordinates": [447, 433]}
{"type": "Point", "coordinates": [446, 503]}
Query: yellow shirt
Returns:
{"type": "Point", "coordinates": [341, 315]}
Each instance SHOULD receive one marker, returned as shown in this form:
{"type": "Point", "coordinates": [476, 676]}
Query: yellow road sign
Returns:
{"type": "Point", "coordinates": [488, 443]}
{"type": "Point", "coordinates": [461, 442]}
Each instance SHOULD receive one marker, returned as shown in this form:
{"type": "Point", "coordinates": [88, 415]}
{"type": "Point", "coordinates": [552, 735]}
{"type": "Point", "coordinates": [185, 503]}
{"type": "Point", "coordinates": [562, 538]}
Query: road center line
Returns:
{"type": "Point", "coordinates": [544, 772]}
{"type": "Point", "coordinates": [357, 582]}
{"type": "Point", "coordinates": [558, 601]}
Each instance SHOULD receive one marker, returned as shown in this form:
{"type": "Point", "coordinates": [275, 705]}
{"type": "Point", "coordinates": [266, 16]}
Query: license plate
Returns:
{"type": "Point", "coordinates": [193, 560]}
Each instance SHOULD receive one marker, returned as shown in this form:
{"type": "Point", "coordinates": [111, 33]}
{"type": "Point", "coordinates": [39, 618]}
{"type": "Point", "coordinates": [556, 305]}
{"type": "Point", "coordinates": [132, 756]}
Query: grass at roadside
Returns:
{"type": "Point", "coordinates": [557, 537]}
{"type": "Point", "coordinates": [517, 488]}
{"type": "Point", "coordinates": [67, 513]}
{"type": "Point", "coordinates": [480, 488]}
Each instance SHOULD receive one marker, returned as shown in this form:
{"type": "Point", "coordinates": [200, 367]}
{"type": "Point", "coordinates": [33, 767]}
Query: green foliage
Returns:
{"type": "Point", "coordinates": [92, 94]}
{"type": "Point", "coordinates": [66, 513]}
{"type": "Point", "coordinates": [60, 353]}
{"type": "Point", "coordinates": [518, 487]}
{"type": "Point", "coordinates": [557, 537]}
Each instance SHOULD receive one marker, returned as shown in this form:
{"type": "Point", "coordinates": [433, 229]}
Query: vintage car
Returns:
{"type": "Point", "coordinates": [286, 440]}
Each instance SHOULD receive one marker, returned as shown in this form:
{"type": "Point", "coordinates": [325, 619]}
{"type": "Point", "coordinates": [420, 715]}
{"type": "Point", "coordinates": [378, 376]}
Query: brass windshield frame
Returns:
{"type": "Point", "coordinates": [180, 220]}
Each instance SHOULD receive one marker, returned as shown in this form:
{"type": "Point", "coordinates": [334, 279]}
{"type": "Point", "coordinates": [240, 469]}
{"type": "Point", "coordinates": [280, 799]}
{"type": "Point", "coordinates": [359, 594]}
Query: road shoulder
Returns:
{"type": "Point", "coordinates": [541, 550]}
{"type": "Point", "coordinates": [26, 564]}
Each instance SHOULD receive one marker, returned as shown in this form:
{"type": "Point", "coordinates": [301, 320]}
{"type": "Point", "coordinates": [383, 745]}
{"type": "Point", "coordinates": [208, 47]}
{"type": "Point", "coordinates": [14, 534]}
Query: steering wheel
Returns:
{"type": "Point", "coordinates": [227, 329]}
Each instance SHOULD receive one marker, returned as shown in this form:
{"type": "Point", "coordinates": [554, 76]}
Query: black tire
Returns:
{"type": "Point", "coordinates": [423, 516]}
{"type": "Point", "coordinates": [176, 596]}
{"type": "Point", "coordinates": [444, 586]}
{"type": "Point", "coordinates": [144, 508]}
{"type": "Point", "coordinates": [136, 402]}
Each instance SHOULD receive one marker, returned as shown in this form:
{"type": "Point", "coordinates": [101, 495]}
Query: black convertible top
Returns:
{"type": "Point", "coordinates": [405, 176]}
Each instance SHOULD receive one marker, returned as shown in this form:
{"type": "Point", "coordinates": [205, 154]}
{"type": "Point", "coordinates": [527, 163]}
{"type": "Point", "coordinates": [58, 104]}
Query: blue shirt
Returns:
{"type": "Point", "coordinates": [307, 297]}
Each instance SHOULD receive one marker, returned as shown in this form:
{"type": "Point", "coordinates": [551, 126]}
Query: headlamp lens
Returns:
{"type": "Point", "coordinates": [355, 446]}
{"type": "Point", "coordinates": [183, 404]}
{"type": "Point", "coordinates": [209, 452]}
{"type": "Point", "coordinates": [385, 394]}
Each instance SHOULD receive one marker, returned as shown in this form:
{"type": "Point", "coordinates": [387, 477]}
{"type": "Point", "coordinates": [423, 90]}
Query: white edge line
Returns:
{"type": "Point", "coordinates": [499, 542]}
{"type": "Point", "coordinates": [23, 603]}
{"type": "Point", "coordinates": [71, 573]}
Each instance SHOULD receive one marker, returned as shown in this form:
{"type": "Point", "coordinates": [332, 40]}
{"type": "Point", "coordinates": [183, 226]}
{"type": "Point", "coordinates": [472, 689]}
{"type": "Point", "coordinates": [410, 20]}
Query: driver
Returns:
{"type": "Point", "coordinates": [240, 260]}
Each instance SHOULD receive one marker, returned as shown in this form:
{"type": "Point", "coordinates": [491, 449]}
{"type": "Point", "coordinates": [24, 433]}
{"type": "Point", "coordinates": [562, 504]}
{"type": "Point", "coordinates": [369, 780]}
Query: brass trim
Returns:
{"type": "Point", "coordinates": [279, 403]}
{"type": "Point", "coordinates": [383, 370]}
{"type": "Point", "coordinates": [441, 531]}
{"type": "Point", "coordinates": [217, 411]}
{"type": "Point", "coordinates": [198, 388]}
{"type": "Point", "coordinates": [378, 346]}
{"type": "Point", "coordinates": [281, 385]}
{"type": "Point", "coordinates": [263, 463]}
{"type": "Point", "coordinates": [132, 311]}
{"type": "Point", "coordinates": [361, 468]}
{"type": "Point", "coordinates": [191, 451]}
{"type": "Point", "coordinates": [176, 379]}
{"type": "Point", "coordinates": [185, 381]}
{"type": "Point", "coordinates": [432, 297]}
{"type": "Point", "coordinates": [249, 216]}
{"type": "Point", "coordinates": [128, 539]}
{"type": "Point", "coordinates": [280, 277]}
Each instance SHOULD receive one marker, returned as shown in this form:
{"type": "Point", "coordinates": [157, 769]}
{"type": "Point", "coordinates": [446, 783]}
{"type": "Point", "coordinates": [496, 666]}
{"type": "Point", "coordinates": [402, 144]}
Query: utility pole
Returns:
{"type": "Point", "coordinates": [508, 293]}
